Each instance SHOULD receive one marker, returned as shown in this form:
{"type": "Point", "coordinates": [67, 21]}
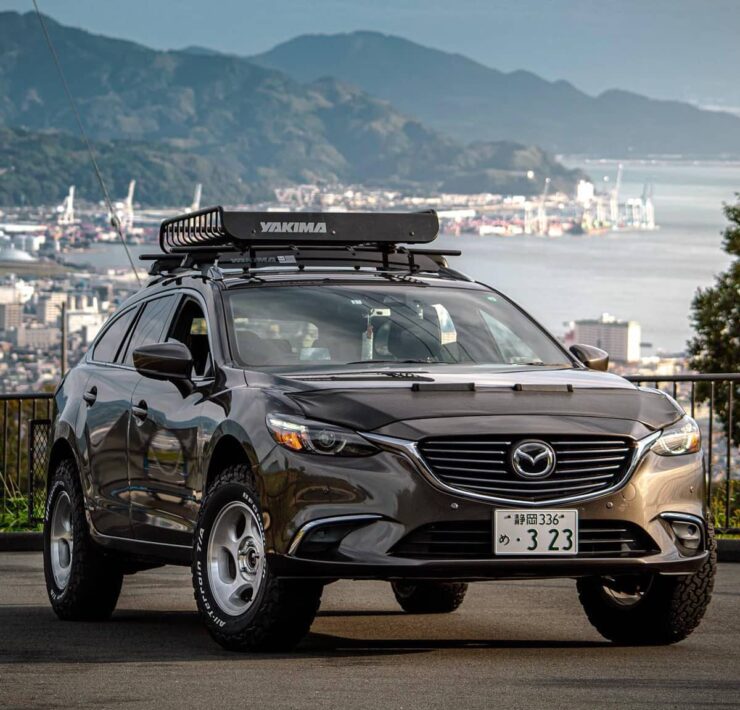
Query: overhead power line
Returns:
{"type": "Point", "coordinates": [115, 222]}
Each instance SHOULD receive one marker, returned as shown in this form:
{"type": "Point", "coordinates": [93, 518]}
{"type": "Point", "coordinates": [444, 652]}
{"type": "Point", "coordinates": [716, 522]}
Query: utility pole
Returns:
{"type": "Point", "coordinates": [64, 338]}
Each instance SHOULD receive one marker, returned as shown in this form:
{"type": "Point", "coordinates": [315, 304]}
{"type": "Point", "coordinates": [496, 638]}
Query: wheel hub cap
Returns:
{"type": "Point", "coordinates": [236, 558]}
{"type": "Point", "coordinates": [249, 557]}
{"type": "Point", "coordinates": [61, 540]}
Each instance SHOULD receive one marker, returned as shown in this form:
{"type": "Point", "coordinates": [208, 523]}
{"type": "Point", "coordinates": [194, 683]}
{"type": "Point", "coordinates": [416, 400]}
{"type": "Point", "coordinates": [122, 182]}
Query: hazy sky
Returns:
{"type": "Point", "coordinates": [686, 49]}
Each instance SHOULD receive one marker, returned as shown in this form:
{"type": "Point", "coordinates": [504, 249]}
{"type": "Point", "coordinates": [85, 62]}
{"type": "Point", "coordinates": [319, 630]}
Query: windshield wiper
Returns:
{"type": "Point", "coordinates": [541, 364]}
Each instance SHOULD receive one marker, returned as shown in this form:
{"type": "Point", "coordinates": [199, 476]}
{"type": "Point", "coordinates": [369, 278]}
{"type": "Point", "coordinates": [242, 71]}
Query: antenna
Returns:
{"type": "Point", "coordinates": [115, 222]}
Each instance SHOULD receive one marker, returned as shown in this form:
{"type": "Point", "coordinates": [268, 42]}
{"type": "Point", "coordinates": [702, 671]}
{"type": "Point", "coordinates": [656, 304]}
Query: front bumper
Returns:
{"type": "Point", "coordinates": [483, 569]}
{"type": "Point", "coordinates": [389, 497]}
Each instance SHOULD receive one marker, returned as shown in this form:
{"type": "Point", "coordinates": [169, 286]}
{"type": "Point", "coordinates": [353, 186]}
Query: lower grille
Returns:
{"type": "Point", "coordinates": [473, 539]}
{"type": "Point", "coordinates": [585, 465]}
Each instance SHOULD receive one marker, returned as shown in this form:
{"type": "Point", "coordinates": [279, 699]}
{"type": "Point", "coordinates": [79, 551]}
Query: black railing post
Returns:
{"type": "Point", "coordinates": [18, 445]}
{"type": "Point", "coordinates": [710, 447]}
{"type": "Point", "coordinates": [728, 475]}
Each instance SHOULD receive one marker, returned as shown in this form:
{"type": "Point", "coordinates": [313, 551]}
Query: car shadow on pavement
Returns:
{"type": "Point", "coordinates": [33, 635]}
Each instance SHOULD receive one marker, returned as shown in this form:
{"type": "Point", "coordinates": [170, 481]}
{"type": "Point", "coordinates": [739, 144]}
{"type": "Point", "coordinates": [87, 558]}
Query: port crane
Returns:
{"type": "Point", "coordinates": [195, 204]}
{"type": "Point", "coordinates": [66, 211]}
{"type": "Point", "coordinates": [541, 211]}
{"type": "Point", "coordinates": [123, 212]}
{"type": "Point", "coordinates": [614, 201]}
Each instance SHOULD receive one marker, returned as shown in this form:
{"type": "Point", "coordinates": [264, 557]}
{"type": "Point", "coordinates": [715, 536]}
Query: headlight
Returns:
{"type": "Point", "coordinates": [316, 437]}
{"type": "Point", "coordinates": [683, 437]}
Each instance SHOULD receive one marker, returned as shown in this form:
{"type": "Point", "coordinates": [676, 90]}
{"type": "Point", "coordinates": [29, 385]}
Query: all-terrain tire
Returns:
{"type": "Point", "coordinates": [281, 611]}
{"type": "Point", "coordinates": [93, 582]}
{"type": "Point", "coordinates": [669, 611]}
{"type": "Point", "coordinates": [429, 597]}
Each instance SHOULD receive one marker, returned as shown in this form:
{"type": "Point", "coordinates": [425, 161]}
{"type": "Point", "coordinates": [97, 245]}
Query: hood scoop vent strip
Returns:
{"type": "Point", "coordinates": [542, 388]}
{"type": "Point", "coordinates": [443, 387]}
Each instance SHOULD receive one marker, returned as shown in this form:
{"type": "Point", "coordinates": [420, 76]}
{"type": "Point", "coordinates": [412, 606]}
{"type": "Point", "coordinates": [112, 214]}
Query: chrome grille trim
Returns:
{"type": "Point", "coordinates": [589, 470]}
{"type": "Point", "coordinates": [410, 450]}
{"type": "Point", "coordinates": [483, 456]}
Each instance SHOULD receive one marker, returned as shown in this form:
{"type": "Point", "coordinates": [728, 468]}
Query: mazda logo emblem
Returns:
{"type": "Point", "coordinates": [532, 459]}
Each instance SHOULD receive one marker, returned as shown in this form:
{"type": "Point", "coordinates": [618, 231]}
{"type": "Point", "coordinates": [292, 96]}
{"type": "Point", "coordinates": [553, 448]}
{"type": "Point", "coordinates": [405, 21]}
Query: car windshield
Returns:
{"type": "Point", "coordinates": [310, 327]}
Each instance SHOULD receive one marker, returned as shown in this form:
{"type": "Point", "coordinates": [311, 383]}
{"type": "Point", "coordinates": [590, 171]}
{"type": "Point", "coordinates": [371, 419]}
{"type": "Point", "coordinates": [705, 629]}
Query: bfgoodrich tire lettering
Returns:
{"type": "Point", "coordinates": [85, 585]}
{"type": "Point", "coordinates": [669, 610]}
{"type": "Point", "coordinates": [280, 612]}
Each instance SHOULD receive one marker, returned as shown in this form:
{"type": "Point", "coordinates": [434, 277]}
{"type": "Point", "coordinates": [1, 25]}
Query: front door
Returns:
{"type": "Point", "coordinates": [169, 423]}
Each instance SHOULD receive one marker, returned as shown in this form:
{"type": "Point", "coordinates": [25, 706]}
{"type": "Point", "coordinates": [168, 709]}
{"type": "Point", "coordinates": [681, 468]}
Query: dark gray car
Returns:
{"type": "Point", "coordinates": [295, 399]}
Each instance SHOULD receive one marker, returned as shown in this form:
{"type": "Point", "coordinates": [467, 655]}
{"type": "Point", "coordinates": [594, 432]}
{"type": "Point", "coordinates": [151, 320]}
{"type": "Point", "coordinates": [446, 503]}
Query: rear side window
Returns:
{"type": "Point", "coordinates": [110, 341]}
{"type": "Point", "coordinates": [150, 326]}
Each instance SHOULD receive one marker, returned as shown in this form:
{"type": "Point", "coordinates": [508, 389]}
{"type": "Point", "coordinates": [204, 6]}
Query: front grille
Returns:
{"type": "Point", "coordinates": [585, 465]}
{"type": "Point", "coordinates": [473, 539]}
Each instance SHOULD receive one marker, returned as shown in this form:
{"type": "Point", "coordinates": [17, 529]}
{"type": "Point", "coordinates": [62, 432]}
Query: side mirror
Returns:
{"type": "Point", "coordinates": [593, 358]}
{"type": "Point", "coordinates": [164, 361]}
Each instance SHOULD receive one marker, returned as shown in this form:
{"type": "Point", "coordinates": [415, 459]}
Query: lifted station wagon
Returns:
{"type": "Point", "coordinates": [295, 399]}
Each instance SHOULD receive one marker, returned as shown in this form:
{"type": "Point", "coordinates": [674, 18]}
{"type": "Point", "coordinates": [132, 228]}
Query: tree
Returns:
{"type": "Point", "coordinates": [715, 314]}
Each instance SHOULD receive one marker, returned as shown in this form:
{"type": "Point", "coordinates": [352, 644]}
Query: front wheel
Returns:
{"type": "Point", "coordinates": [82, 583]}
{"type": "Point", "coordinates": [649, 609]}
{"type": "Point", "coordinates": [429, 597]}
{"type": "Point", "coordinates": [244, 606]}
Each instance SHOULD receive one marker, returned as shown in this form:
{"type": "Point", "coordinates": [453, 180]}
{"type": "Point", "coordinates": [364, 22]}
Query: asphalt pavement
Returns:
{"type": "Point", "coordinates": [511, 645]}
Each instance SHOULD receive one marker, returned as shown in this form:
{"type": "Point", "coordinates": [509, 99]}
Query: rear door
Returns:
{"type": "Point", "coordinates": [106, 408]}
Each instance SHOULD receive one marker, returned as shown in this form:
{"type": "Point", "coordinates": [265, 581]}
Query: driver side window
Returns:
{"type": "Point", "coordinates": [191, 328]}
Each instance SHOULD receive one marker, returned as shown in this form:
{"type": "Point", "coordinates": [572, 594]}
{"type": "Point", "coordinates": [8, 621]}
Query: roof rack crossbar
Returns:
{"type": "Point", "coordinates": [255, 258]}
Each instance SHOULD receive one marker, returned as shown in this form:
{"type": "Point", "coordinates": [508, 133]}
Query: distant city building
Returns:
{"type": "Point", "coordinates": [48, 308]}
{"type": "Point", "coordinates": [85, 322]}
{"type": "Point", "coordinates": [15, 290]}
{"type": "Point", "coordinates": [36, 337]}
{"type": "Point", "coordinates": [11, 315]}
{"type": "Point", "coordinates": [621, 339]}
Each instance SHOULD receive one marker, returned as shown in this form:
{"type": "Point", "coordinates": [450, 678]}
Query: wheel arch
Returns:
{"type": "Point", "coordinates": [60, 450]}
{"type": "Point", "coordinates": [226, 449]}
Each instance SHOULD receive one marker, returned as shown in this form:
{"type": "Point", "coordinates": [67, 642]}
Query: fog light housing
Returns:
{"type": "Point", "coordinates": [688, 531]}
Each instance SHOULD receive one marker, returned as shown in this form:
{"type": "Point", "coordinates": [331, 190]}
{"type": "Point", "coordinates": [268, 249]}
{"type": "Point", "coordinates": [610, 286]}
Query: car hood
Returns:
{"type": "Point", "coordinates": [370, 401]}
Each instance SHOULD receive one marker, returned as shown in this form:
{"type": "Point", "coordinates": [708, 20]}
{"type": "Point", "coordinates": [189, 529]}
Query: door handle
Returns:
{"type": "Point", "coordinates": [140, 410]}
{"type": "Point", "coordinates": [90, 396]}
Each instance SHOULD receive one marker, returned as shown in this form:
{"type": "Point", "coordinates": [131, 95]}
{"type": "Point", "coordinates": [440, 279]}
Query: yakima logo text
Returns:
{"type": "Point", "coordinates": [294, 227]}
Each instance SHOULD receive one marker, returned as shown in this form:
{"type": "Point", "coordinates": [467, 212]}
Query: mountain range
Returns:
{"type": "Point", "coordinates": [360, 108]}
{"type": "Point", "coordinates": [237, 118]}
{"type": "Point", "coordinates": [469, 101]}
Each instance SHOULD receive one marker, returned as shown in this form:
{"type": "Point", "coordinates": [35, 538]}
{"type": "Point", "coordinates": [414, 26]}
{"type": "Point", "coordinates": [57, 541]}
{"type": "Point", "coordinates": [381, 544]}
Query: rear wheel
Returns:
{"type": "Point", "coordinates": [244, 606]}
{"type": "Point", "coordinates": [429, 597]}
{"type": "Point", "coordinates": [649, 609]}
{"type": "Point", "coordinates": [81, 581]}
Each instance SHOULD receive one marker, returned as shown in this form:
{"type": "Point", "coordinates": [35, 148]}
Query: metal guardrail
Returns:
{"type": "Point", "coordinates": [700, 395]}
{"type": "Point", "coordinates": [25, 426]}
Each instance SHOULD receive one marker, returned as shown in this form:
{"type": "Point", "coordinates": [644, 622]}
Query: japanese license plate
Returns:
{"type": "Point", "coordinates": [535, 532]}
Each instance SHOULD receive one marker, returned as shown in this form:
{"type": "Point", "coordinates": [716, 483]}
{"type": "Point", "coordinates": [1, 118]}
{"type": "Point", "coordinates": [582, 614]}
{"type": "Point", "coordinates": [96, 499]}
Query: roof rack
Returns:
{"type": "Point", "coordinates": [216, 227]}
{"type": "Point", "coordinates": [216, 238]}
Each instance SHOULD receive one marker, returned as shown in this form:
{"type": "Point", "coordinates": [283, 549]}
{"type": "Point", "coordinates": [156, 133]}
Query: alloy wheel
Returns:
{"type": "Point", "coordinates": [62, 540]}
{"type": "Point", "coordinates": [236, 558]}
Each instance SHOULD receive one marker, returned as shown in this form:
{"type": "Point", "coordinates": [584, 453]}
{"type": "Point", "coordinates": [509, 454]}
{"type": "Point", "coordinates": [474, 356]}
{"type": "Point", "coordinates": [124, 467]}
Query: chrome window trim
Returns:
{"type": "Point", "coordinates": [107, 325]}
{"type": "Point", "coordinates": [179, 294]}
{"type": "Point", "coordinates": [410, 450]}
